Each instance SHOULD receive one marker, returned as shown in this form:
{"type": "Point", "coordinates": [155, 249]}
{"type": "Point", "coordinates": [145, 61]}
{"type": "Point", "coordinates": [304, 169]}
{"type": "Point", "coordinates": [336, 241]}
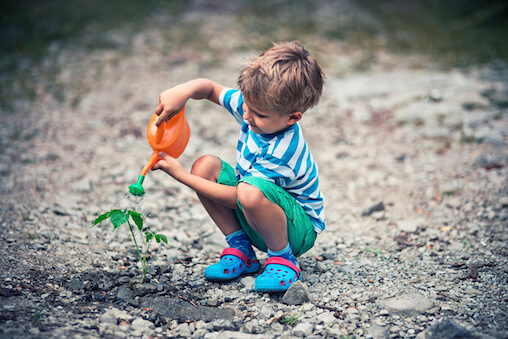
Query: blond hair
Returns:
{"type": "Point", "coordinates": [284, 79]}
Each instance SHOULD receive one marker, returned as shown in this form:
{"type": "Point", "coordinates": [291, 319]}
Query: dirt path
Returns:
{"type": "Point", "coordinates": [413, 164]}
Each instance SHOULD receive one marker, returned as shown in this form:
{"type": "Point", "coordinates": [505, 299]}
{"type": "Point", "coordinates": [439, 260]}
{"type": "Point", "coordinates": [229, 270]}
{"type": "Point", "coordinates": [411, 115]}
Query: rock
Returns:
{"type": "Point", "coordinates": [178, 309]}
{"type": "Point", "coordinates": [435, 95]}
{"type": "Point", "coordinates": [320, 267]}
{"type": "Point", "coordinates": [447, 309]}
{"type": "Point", "coordinates": [361, 115]}
{"type": "Point", "coordinates": [503, 202]}
{"type": "Point", "coordinates": [76, 285]}
{"type": "Point", "coordinates": [297, 294]}
{"type": "Point", "coordinates": [108, 318]}
{"type": "Point", "coordinates": [336, 333]}
{"type": "Point", "coordinates": [303, 330]}
{"type": "Point", "coordinates": [248, 282]}
{"type": "Point", "coordinates": [409, 225]}
{"type": "Point", "coordinates": [445, 329]}
{"type": "Point", "coordinates": [250, 326]}
{"type": "Point", "coordinates": [142, 325]}
{"type": "Point", "coordinates": [407, 304]}
{"type": "Point", "coordinates": [378, 332]}
{"type": "Point", "coordinates": [351, 310]}
{"type": "Point", "coordinates": [327, 318]}
{"type": "Point", "coordinates": [199, 333]}
{"type": "Point", "coordinates": [235, 335]}
{"type": "Point", "coordinates": [183, 330]}
{"type": "Point", "coordinates": [214, 302]}
{"type": "Point", "coordinates": [394, 329]}
{"type": "Point", "coordinates": [266, 311]}
{"type": "Point", "coordinates": [114, 315]}
{"type": "Point", "coordinates": [124, 293]}
{"type": "Point", "coordinates": [83, 186]}
{"type": "Point", "coordinates": [143, 289]}
{"type": "Point", "coordinates": [222, 324]}
{"type": "Point", "coordinates": [374, 208]}
{"type": "Point", "coordinates": [453, 202]}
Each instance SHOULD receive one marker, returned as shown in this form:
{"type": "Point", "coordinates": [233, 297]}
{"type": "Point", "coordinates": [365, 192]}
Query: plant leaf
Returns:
{"type": "Point", "coordinates": [102, 217]}
{"type": "Point", "coordinates": [136, 217]}
{"type": "Point", "coordinates": [159, 237]}
{"type": "Point", "coordinates": [118, 218]}
{"type": "Point", "coordinates": [149, 236]}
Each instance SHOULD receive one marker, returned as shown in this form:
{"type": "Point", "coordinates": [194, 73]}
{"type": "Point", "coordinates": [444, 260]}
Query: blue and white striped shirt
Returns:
{"type": "Point", "coordinates": [283, 158]}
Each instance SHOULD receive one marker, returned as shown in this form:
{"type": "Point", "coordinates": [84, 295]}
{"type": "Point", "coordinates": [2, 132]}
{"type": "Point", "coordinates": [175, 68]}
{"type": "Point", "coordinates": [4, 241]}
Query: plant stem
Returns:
{"type": "Point", "coordinates": [143, 265]}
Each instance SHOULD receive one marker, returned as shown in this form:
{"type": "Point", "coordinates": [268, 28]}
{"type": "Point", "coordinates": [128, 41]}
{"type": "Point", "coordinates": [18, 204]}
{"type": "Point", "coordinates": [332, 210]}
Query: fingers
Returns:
{"type": "Point", "coordinates": [159, 109]}
{"type": "Point", "coordinates": [162, 163]}
{"type": "Point", "coordinates": [158, 121]}
{"type": "Point", "coordinates": [164, 156]}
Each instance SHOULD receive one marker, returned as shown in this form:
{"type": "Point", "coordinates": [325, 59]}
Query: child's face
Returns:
{"type": "Point", "coordinates": [266, 122]}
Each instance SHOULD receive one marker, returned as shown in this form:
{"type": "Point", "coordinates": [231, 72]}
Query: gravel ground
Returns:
{"type": "Point", "coordinates": [413, 163]}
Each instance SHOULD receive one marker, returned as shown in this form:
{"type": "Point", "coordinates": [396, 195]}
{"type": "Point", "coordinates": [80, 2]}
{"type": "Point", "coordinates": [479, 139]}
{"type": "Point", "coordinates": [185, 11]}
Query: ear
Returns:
{"type": "Point", "coordinates": [294, 118]}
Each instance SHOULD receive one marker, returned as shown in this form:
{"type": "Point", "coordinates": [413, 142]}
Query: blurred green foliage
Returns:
{"type": "Point", "coordinates": [454, 33]}
{"type": "Point", "coordinates": [28, 26]}
{"type": "Point", "coordinates": [459, 31]}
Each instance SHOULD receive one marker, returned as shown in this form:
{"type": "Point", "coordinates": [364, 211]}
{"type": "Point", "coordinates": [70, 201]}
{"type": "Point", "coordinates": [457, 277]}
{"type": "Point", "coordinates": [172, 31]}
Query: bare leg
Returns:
{"type": "Point", "coordinates": [209, 167]}
{"type": "Point", "coordinates": [265, 217]}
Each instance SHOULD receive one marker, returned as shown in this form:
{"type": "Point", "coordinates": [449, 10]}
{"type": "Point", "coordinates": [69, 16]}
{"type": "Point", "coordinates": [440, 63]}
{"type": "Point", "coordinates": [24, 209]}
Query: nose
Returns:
{"type": "Point", "coordinates": [246, 115]}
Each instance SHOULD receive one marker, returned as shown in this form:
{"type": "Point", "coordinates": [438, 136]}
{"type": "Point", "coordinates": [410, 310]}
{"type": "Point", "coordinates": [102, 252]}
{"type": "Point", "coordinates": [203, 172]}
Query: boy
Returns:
{"type": "Point", "coordinates": [272, 199]}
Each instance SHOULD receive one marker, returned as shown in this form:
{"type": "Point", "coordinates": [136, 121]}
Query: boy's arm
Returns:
{"type": "Point", "coordinates": [226, 195]}
{"type": "Point", "coordinates": [172, 100]}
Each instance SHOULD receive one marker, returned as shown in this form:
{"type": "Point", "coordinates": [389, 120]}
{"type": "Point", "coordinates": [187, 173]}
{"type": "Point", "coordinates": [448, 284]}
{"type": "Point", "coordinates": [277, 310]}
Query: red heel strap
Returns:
{"type": "Point", "coordinates": [283, 262]}
{"type": "Point", "coordinates": [233, 251]}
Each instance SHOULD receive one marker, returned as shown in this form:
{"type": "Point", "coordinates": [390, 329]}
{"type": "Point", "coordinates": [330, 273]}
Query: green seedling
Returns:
{"type": "Point", "coordinates": [37, 316]}
{"type": "Point", "coordinates": [120, 217]}
{"type": "Point", "coordinates": [290, 319]}
{"type": "Point", "coordinates": [375, 251]}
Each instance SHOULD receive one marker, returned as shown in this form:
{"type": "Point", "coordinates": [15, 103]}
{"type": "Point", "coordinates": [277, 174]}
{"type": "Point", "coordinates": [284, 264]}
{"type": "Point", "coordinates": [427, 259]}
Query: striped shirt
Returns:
{"type": "Point", "coordinates": [282, 158]}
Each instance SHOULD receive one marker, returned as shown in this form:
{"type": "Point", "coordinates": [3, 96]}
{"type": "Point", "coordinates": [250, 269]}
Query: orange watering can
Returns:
{"type": "Point", "coordinates": [170, 137]}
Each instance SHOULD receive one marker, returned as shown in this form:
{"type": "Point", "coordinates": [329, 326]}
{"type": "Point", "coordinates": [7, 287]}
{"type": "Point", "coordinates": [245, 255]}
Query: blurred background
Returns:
{"type": "Point", "coordinates": [453, 33]}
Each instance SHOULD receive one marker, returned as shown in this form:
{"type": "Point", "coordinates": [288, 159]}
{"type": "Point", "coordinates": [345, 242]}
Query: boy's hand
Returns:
{"type": "Point", "coordinates": [170, 104]}
{"type": "Point", "coordinates": [168, 164]}
{"type": "Point", "coordinates": [172, 101]}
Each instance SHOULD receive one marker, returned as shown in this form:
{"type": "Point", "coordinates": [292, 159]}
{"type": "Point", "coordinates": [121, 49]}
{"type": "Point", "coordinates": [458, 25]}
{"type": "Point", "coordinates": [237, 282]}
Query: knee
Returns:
{"type": "Point", "coordinates": [207, 166]}
{"type": "Point", "coordinates": [250, 197]}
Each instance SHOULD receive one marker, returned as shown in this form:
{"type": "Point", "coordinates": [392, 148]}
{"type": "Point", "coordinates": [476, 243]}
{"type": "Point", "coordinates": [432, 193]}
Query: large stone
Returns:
{"type": "Point", "coordinates": [303, 330]}
{"type": "Point", "coordinates": [445, 329]}
{"type": "Point", "coordinates": [124, 293]}
{"type": "Point", "coordinates": [374, 208]}
{"type": "Point", "coordinates": [112, 316]}
{"type": "Point", "coordinates": [297, 294]}
{"type": "Point", "coordinates": [236, 335]}
{"type": "Point", "coordinates": [142, 325]}
{"type": "Point", "coordinates": [171, 308]}
{"type": "Point", "coordinates": [407, 304]}
{"type": "Point", "coordinates": [378, 332]}
{"type": "Point", "coordinates": [408, 225]}
{"type": "Point", "coordinates": [143, 289]}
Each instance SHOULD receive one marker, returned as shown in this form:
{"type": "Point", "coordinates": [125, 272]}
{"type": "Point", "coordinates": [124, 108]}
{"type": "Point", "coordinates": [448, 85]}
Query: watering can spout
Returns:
{"type": "Point", "coordinates": [169, 137]}
{"type": "Point", "coordinates": [137, 188]}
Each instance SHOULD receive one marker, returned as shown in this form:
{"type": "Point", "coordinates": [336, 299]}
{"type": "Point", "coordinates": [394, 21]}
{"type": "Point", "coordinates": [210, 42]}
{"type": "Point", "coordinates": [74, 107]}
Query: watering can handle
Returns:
{"type": "Point", "coordinates": [160, 132]}
{"type": "Point", "coordinates": [153, 160]}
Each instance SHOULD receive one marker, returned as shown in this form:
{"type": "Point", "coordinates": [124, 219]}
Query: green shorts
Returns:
{"type": "Point", "coordinates": [301, 232]}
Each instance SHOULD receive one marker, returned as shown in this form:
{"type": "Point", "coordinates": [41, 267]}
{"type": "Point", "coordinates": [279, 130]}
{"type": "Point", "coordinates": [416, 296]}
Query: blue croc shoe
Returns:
{"type": "Point", "coordinates": [279, 274]}
{"type": "Point", "coordinates": [233, 263]}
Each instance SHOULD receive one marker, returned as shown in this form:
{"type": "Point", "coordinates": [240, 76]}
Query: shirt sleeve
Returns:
{"type": "Point", "coordinates": [232, 100]}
